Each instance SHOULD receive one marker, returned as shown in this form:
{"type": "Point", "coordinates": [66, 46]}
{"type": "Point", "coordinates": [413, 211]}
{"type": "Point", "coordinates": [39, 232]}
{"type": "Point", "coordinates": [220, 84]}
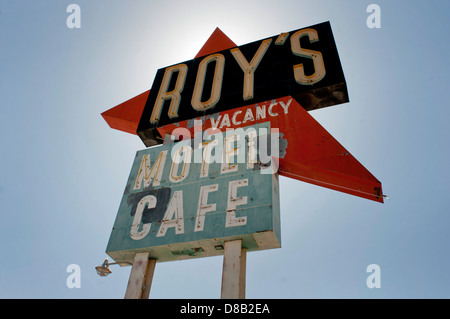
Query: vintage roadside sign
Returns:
{"type": "Point", "coordinates": [308, 152]}
{"type": "Point", "coordinates": [302, 63]}
{"type": "Point", "coordinates": [185, 199]}
{"type": "Point", "coordinates": [240, 116]}
{"type": "Point", "coordinates": [241, 94]}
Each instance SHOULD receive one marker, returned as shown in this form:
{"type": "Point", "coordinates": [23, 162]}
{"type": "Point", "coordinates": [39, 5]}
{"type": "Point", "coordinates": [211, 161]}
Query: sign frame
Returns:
{"type": "Point", "coordinates": [303, 63]}
{"type": "Point", "coordinates": [243, 204]}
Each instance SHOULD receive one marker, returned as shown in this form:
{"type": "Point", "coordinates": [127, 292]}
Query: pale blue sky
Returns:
{"type": "Point", "coordinates": [63, 170]}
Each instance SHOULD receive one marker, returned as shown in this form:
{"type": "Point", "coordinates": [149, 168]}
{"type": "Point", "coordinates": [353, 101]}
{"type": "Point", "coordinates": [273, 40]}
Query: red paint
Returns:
{"type": "Point", "coordinates": [312, 155]}
{"type": "Point", "coordinates": [125, 116]}
{"type": "Point", "coordinates": [218, 41]}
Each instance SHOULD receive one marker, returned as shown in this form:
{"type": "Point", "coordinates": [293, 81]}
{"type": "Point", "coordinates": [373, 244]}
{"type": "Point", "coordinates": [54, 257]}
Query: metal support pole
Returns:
{"type": "Point", "coordinates": [141, 277]}
{"type": "Point", "coordinates": [234, 266]}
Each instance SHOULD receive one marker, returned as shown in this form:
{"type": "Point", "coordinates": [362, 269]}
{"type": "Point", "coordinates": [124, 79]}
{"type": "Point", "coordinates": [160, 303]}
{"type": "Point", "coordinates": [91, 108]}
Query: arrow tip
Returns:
{"type": "Point", "coordinates": [218, 41]}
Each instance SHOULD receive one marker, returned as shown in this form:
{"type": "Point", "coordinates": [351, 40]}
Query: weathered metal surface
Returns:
{"type": "Point", "coordinates": [303, 63]}
{"type": "Point", "coordinates": [188, 210]}
{"type": "Point", "coordinates": [307, 151]}
{"type": "Point", "coordinates": [125, 116]}
{"type": "Point", "coordinates": [314, 156]}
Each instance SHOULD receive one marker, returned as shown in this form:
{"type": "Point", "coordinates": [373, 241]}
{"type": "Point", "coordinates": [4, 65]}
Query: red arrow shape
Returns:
{"type": "Point", "coordinates": [125, 116]}
{"type": "Point", "coordinates": [312, 154]}
{"type": "Point", "coordinates": [218, 41]}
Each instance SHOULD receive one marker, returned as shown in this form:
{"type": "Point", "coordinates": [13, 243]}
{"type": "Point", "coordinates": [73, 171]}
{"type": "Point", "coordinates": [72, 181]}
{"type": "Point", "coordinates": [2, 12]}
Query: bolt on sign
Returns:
{"type": "Point", "coordinates": [302, 63]}
{"type": "Point", "coordinates": [185, 199]}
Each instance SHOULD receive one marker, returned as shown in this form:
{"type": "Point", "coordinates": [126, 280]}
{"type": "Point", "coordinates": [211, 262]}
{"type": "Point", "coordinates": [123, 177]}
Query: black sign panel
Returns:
{"type": "Point", "coordinates": [302, 63]}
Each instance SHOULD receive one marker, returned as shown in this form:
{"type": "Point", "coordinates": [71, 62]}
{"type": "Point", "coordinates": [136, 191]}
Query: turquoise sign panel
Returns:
{"type": "Point", "coordinates": [185, 199]}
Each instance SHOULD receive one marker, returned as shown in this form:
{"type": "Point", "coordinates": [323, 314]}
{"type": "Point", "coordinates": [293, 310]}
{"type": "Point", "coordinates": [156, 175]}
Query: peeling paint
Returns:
{"type": "Point", "coordinates": [237, 204]}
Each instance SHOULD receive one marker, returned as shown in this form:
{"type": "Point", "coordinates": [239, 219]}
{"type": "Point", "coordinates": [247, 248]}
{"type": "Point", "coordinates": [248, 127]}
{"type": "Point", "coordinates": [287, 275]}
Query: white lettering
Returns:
{"type": "Point", "coordinates": [134, 232]}
{"type": "Point", "coordinates": [285, 106]}
{"type": "Point", "coordinates": [260, 112]}
{"type": "Point", "coordinates": [196, 102]}
{"type": "Point", "coordinates": [269, 160]}
{"type": "Point", "coordinates": [374, 279]}
{"type": "Point", "coordinates": [252, 151]}
{"type": "Point", "coordinates": [174, 96]}
{"type": "Point", "coordinates": [215, 123]}
{"type": "Point", "coordinates": [175, 208]}
{"type": "Point", "coordinates": [233, 201]}
{"type": "Point", "coordinates": [316, 56]}
{"type": "Point", "coordinates": [230, 151]}
{"type": "Point", "coordinates": [225, 121]}
{"type": "Point", "coordinates": [374, 19]}
{"type": "Point", "coordinates": [147, 174]}
{"type": "Point", "coordinates": [217, 144]}
{"type": "Point", "coordinates": [203, 206]}
{"type": "Point", "coordinates": [248, 116]}
{"type": "Point", "coordinates": [244, 308]}
{"type": "Point", "coordinates": [249, 68]}
{"type": "Point", "coordinates": [207, 149]}
{"type": "Point", "coordinates": [233, 119]}
{"type": "Point", "coordinates": [270, 108]}
{"type": "Point", "coordinates": [74, 19]}
{"type": "Point", "coordinates": [197, 309]}
{"type": "Point", "coordinates": [74, 279]}
{"type": "Point", "coordinates": [186, 150]}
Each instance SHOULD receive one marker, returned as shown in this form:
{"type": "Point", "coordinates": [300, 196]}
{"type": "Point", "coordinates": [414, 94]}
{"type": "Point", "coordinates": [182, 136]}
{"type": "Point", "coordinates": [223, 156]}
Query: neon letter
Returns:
{"type": "Point", "coordinates": [316, 56]}
{"type": "Point", "coordinates": [174, 95]}
{"type": "Point", "coordinates": [196, 102]}
{"type": "Point", "coordinates": [249, 68]}
{"type": "Point", "coordinates": [147, 174]}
